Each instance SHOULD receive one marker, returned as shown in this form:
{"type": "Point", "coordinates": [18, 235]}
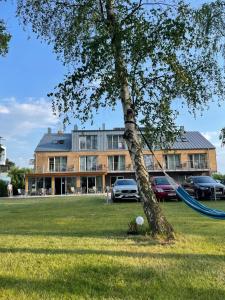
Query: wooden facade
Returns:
{"type": "Point", "coordinates": [72, 178]}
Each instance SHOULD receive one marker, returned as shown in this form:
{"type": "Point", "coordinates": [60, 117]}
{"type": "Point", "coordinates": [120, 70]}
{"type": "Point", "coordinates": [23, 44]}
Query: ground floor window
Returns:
{"type": "Point", "coordinates": [91, 184]}
{"type": "Point", "coordinates": [65, 185]}
{"type": "Point", "coordinates": [39, 185]}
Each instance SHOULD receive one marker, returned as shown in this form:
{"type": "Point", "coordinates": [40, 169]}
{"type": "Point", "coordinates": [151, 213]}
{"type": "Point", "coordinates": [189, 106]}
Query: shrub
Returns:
{"type": "Point", "coordinates": [3, 188]}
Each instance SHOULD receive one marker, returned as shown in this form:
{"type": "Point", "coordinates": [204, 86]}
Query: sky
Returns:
{"type": "Point", "coordinates": [30, 71]}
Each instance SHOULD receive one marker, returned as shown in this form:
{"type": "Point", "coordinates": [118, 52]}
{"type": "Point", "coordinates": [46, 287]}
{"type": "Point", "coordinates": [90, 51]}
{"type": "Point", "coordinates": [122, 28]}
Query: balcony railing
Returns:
{"type": "Point", "coordinates": [66, 169]}
{"type": "Point", "coordinates": [184, 166]}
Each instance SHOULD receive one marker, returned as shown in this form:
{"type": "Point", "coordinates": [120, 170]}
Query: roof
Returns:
{"type": "Point", "coordinates": [55, 142]}
{"type": "Point", "coordinates": [192, 140]}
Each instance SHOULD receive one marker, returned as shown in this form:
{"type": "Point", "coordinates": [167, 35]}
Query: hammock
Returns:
{"type": "Point", "coordinates": [193, 203]}
{"type": "Point", "coordinates": [183, 195]}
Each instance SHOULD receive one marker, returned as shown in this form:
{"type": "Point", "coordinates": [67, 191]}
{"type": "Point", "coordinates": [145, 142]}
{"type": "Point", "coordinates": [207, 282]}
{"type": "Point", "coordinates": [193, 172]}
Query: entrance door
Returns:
{"type": "Point", "coordinates": [91, 185]}
{"type": "Point", "coordinates": [88, 184]}
{"type": "Point", "coordinates": [60, 185]}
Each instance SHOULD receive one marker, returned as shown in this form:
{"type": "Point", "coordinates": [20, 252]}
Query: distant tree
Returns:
{"type": "Point", "coordinates": [17, 176]}
{"type": "Point", "coordinates": [219, 176]}
{"type": "Point", "coordinates": [4, 39]}
{"type": "Point", "coordinates": [144, 54]}
{"type": "Point", "coordinates": [222, 136]}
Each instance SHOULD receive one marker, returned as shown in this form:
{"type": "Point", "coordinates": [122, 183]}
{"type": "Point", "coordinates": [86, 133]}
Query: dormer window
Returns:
{"type": "Point", "coordinates": [115, 142]}
{"type": "Point", "coordinates": [88, 142]}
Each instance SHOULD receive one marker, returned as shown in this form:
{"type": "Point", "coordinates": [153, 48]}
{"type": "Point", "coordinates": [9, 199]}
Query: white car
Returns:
{"type": "Point", "coordinates": [124, 189]}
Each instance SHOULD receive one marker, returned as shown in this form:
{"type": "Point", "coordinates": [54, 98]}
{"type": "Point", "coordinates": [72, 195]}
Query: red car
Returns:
{"type": "Point", "coordinates": [162, 189]}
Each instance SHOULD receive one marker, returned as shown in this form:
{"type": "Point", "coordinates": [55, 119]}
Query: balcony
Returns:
{"type": "Point", "coordinates": [184, 166]}
{"type": "Point", "coordinates": [68, 169]}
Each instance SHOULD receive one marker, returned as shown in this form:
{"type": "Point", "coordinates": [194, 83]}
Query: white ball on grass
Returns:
{"type": "Point", "coordinates": [140, 220]}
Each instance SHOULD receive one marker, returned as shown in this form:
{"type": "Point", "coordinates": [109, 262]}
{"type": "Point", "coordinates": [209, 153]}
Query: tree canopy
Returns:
{"type": "Point", "coordinates": [171, 51]}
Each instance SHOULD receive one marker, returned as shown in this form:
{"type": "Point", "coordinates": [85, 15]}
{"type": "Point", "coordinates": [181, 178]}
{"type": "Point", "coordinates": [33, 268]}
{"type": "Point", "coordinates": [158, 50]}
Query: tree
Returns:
{"type": "Point", "coordinates": [219, 176]}
{"type": "Point", "coordinates": [4, 39]}
{"type": "Point", "coordinates": [17, 176]}
{"type": "Point", "coordinates": [222, 136]}
{"type": "Point", "coordinates": [143, 54]}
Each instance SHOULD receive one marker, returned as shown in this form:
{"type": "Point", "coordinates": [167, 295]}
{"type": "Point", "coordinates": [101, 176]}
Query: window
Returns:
{"type": "Point", "coordinates": [198, 161]}
{"type": "Point", "coordinates": [57, 164]}
{"type": "Point", "coordinates": [88, 142]}
{"type": "Point", "coordinates": [116, 163]}
{"type": "Point", "coordinates": [88, 163]}
{"type": "Point", "coordinates": [115, 142]}
{"type": "Point", "coordinates": [172, 161]}
{"type": "Point", "coordinates": [149, 161]}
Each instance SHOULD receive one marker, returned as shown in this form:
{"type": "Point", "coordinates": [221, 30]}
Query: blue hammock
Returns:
{"type": "Point", "coordinates": [199, 207]}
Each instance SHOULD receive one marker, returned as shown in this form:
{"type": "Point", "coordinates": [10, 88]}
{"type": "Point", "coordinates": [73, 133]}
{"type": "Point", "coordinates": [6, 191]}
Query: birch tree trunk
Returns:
{"type": "Point", "coordinates": [156, 219]}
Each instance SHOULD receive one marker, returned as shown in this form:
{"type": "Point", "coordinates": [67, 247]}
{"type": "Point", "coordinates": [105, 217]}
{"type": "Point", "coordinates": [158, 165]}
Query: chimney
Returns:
{"type": "Point", "coordinates": [103, 126]}
{"type": "Point", "coordinates": [49, 130]}
{"type": "Point", "coordinates": [182, 129]}
{"type": "Point", "coordinates": [75, 127]}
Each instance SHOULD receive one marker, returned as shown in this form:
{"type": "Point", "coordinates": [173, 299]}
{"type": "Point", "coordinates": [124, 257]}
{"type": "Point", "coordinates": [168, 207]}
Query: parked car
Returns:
{"type": "Point", "coordinates": [204, 187]}
{"type": "Point", "coordinates": [124, 189]}
{"type": "Point", "coordinates": [162, 188]}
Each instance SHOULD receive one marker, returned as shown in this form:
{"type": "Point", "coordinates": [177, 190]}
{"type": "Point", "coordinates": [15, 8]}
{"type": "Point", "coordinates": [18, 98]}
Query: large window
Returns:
{"type": "Point", "coordinates": [58, 164]}
{"type": "Point", "coordinates": [172, 161]}
{"type": "Point", "coordinates": [198, 161]}
{"type": "Point", "coordinates": [88, 163]}
{"type": "Point", "coordinates": [88, 142]}
{"type": "Point", "coordinates": [149, 161]}
{"type": "Point", "coordinates": [116, 163]}
{"type": "Point", "coordinates": [115, 142]}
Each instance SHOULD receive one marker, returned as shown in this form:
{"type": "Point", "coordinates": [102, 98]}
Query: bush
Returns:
{"type": "Point", "coordinates": [3, 188]}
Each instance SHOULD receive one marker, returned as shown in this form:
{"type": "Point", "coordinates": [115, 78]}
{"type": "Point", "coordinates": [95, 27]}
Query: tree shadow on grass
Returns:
{"type": "Point", "coordinates": [91, 281]}
{"type": "Point", "coordinates": [175, 256]}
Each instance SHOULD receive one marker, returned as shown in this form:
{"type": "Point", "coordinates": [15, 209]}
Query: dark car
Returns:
{"type": "Point", "coordinates": [162, 188]}
{"type": "Point", "coordinates": [204, 187]}
{"type": "Point", "coordinates": [124, 189]}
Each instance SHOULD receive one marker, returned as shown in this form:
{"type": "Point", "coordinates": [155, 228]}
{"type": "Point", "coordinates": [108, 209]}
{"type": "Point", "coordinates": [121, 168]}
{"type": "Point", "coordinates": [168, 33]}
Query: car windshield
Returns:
{"type": "Point", "coordinates": [125, 182]}
{"type": "Point", "coordinates": [161, 181]}
{"type": "Point", "coordinates": [204, 179]}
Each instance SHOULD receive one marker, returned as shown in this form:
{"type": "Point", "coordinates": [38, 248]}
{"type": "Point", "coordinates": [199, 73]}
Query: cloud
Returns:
{"type": "Point", "coordinates": [4, 110]}
{"type": "Point", "coordinates": [22, 124]}
{"type": "Point", "coordinates": [210, 135]}
{"type": "Point", "coordinates": [18, 119]}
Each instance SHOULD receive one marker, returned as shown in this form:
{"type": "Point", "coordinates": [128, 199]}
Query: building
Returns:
{"type": "Point", "coordinates": [2, 154]}
{"type": "Point", "coordinates": [86, 161]}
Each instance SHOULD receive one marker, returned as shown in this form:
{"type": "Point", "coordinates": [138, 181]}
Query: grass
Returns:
{"type": "Point", "coordinates": [77, 248]}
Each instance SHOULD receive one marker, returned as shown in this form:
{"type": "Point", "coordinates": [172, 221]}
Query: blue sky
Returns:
{"type": "Point", "coordinates": [31, 70]}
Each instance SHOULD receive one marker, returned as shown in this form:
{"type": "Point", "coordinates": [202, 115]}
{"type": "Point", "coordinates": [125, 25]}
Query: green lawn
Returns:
{"type": "Point", "coordinates": [77, 248]}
